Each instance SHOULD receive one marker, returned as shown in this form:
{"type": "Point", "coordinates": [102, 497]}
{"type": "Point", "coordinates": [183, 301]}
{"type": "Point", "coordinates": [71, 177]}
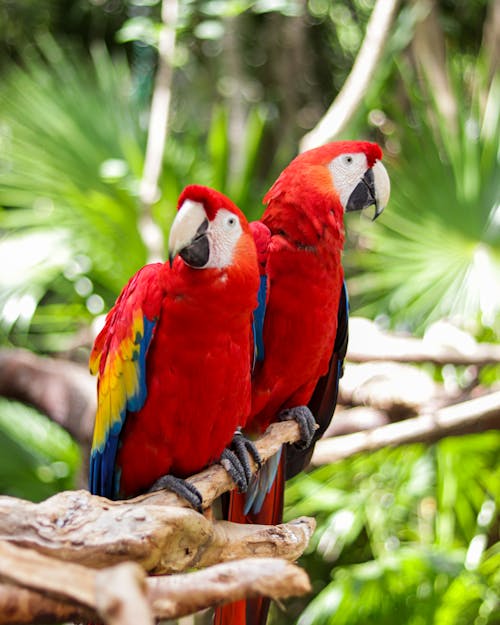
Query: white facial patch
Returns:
{"type": "Point", "coordinates": [223, 233]}
{"type": "Point", "coordinates": [347, 170]}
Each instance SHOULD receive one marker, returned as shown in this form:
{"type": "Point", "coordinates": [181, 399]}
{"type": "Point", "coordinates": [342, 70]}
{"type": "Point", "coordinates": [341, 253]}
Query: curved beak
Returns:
{"type": "Point", "coordinates": [373, 189]}
{"type": "Point", "coordinates": [188, 235]}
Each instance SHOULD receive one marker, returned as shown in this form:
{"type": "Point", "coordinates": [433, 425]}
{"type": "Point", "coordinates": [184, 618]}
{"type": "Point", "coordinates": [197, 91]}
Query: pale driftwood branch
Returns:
{"type": "Point", "coordinates": [66, 392]}
{"type": "Point", "coordinates": [368, 343]}
{"type": "Point", "coordinates": [348, 100]}
{"type": "Point", "coordinates": [84, 529]}
{"type": "Point", "coordinates": [178, 595]}
{"type": "Point", "coordinates": [491, 38]}
{"type": "Point", "coordinates": [214, 481]}
{"type": "Point", "coordinates": [429, 48]}
{"type": "Point", "coordinates": [476, 415]}
{"type": "Point", "coordinates": [62, 390]}
{"type": "Point", "coordinates": [29, 569]}
{"type": "Point", "coordinates": [157, 131]}
{"type": "Point", "coordinates": [400, 390]}
{"type": "Point", "coordinates": [234, 541]}
{"type": "Point", "coordinates": [121, 595]}
{"type": "Point", "coordinates": [24, 606]}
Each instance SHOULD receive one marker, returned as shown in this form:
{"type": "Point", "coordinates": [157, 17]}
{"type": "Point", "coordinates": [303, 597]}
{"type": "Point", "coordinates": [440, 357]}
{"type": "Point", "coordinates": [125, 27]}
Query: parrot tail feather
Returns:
{"type": "Point", "coordinates": [254, 611]}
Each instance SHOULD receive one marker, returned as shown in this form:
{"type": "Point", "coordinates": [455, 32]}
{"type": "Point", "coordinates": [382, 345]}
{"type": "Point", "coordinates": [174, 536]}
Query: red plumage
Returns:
{"type": "Point", "coordinates": [174, 359]}
{"type": "Point", "coordinates": [198, 374]}
{"type": "Point", "coordinates": [301, 256]}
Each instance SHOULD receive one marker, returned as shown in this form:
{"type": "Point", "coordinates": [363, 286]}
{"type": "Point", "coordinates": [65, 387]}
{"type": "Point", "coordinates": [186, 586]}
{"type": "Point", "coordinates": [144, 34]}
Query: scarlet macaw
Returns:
{"type": "Point", "coordinates": [174, 357]}
{"type": "Point", "coordinates": [302, 317]}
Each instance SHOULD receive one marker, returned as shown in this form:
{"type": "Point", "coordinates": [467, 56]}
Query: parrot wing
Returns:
{"type": "Point", "coordinates": [262, 237]}
{"type": "Point", "coordinates": [119, 360]}
{"type": "Point", "coordinates": [324, 399]}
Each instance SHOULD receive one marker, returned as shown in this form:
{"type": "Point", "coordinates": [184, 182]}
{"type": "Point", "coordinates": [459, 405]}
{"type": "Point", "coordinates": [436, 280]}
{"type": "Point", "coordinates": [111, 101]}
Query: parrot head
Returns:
{"type": "Point", "coordinates": [207, 229]}
{"type": "Point", "coordinates": [343, 175]}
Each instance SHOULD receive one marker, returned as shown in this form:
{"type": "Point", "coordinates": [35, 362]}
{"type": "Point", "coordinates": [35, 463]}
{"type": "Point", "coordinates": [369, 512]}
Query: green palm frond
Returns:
{"type": "Point", "coordinates": [38, 457]}
{"type": "Point", "coordinates": [70, 158]}
{"type": "Point", "coordinates": [406, 534]}
{"type": "Point", "coordinates": [436, 250]}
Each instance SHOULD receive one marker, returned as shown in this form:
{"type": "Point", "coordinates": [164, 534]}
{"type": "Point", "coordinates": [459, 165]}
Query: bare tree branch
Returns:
{"type": "Point", "coordinates": [62, 390]}
{"type": "Point", "coordinates": [491, 38]}
{"type": "Point", "coordinates": [121, 594]}
{"type": "Point", "coordinates": [476, 415]}
{"type": "Point", "coordinates": [177, 595]}
{"type": "Point", "coordinates": [92, 531]}
{"type": "Point", "coordinates": [349, 98]}
{"type": "Point", "coordinates": [368, 343]}
{"type": "Point", "coordinates": [21, 605]}
{"type": "Point", "coordinates": [158, 122]}
{"type": "Point", "coordinates": [430, 54]}
{"type": "Point", "coordinates": [35, 571]}
{"type": "Point", "coordinates": [400, 390]}
{"type": "Point", "coordinates": [215, 480]}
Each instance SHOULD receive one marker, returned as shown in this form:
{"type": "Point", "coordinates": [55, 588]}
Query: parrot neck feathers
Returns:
{"type": "Point", "coordinates": [308, 223]}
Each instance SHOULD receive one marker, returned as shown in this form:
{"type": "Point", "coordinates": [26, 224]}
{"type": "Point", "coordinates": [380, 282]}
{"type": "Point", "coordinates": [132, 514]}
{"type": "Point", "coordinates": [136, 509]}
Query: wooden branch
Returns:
{"type": "Point", "coordinates": [368, 343]}
{"type": "Point", "coordinates": [429, 48]}
{"type": "Point", "coordinates": [490, 44]}
{"type": "Point", "coordinates": [476, 415]}
{"type": "Point", "coordinates": [178, 595]}
{"type": "Point", "coordinates": [234, 541]}
{"type": "Point", "coordinates": [121, 595]}
{"type": "Point", "coordinates": [214, 480]}
{"type": "Point", "coordinates": [400, 390]}
{"type": "Point", "coordinates": [61, 389]}
{"type": "Point", "coordinates": [349, 98]}
{"type": "Point", "coordinates": [35, 571]}
{"type": "Point", "coordinates": [78, 527]}
{"type": "Point", "coordinates": [20, 605]}
{"type": "Point", "coordinates": [157, 131]}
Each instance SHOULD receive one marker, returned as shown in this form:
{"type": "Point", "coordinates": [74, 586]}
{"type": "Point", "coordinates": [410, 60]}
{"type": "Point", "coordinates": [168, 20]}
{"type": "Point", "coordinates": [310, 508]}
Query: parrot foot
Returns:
{"type": "Point", "coordinates": [180, 487]}
{"type": "Point", "coordinates": [243, 447]}
{"type": "Point", "coordinates": [306, 422]}
{"type": "Point", "coordinates": [236, 469]}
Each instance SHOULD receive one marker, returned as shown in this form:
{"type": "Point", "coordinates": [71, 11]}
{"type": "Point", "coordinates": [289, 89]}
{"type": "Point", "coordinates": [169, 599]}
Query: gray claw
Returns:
{"type": "Point", "coordinates": [306, 422]}
{"type": "Point", "coordinates": [240, 474]}
{"type": "Point", "coordinates": [180, 487]}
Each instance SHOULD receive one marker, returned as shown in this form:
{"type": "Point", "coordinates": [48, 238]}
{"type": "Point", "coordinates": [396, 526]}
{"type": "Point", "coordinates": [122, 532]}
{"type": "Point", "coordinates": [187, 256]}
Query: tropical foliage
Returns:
{"type": "Point", "coordinates": [446, 193]}
{"type": "Point", "coordinates": [408, 532]}
{"type": "Point", "coordinates": [404, 536]}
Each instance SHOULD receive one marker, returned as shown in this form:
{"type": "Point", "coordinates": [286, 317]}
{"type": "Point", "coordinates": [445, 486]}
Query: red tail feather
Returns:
{"type": "Point", "coordinates": [253, 611]}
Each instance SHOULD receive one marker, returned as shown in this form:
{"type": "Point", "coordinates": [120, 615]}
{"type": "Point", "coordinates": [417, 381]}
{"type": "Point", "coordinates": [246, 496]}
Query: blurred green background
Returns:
{"type": "Point", "coordinates": [404, 536]}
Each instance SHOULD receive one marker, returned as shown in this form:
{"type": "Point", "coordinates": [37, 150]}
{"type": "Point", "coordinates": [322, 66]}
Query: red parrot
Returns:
{"type": "Point", "coordinates": [301, 321]}
{"type": "Point", "coordinates": [174, 357]}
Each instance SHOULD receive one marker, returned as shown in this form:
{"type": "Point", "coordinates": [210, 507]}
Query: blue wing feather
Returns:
{"type": "Point", "coordinates": [104, 479]}
{"type": "Point", "coordinates": [119, 358]}
{"type": "Point", "coordinates": [259, 315]}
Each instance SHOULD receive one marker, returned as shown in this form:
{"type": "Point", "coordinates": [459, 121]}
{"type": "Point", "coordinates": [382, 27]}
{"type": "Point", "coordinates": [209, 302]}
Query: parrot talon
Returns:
{"type": "Point", "coordinates": [180, 487]}
{"type": "Point", "coordinates": [306, 422]}
{"type": "Point", "coordinates": [236, 468]}
{"type": "Point", "coordinates": [243, 447]}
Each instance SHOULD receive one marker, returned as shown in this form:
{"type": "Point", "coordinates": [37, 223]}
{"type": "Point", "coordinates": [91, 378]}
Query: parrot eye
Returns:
{"type": "Point", "coordinates": [231, 221]}
{"type": "Point", "coordinates": [348, 159]}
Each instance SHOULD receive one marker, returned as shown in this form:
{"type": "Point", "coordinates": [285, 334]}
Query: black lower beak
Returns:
{"type": "Point", "coordinates": [364, 195]}
{"type": "Point", "coordinates": [197, 253]}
